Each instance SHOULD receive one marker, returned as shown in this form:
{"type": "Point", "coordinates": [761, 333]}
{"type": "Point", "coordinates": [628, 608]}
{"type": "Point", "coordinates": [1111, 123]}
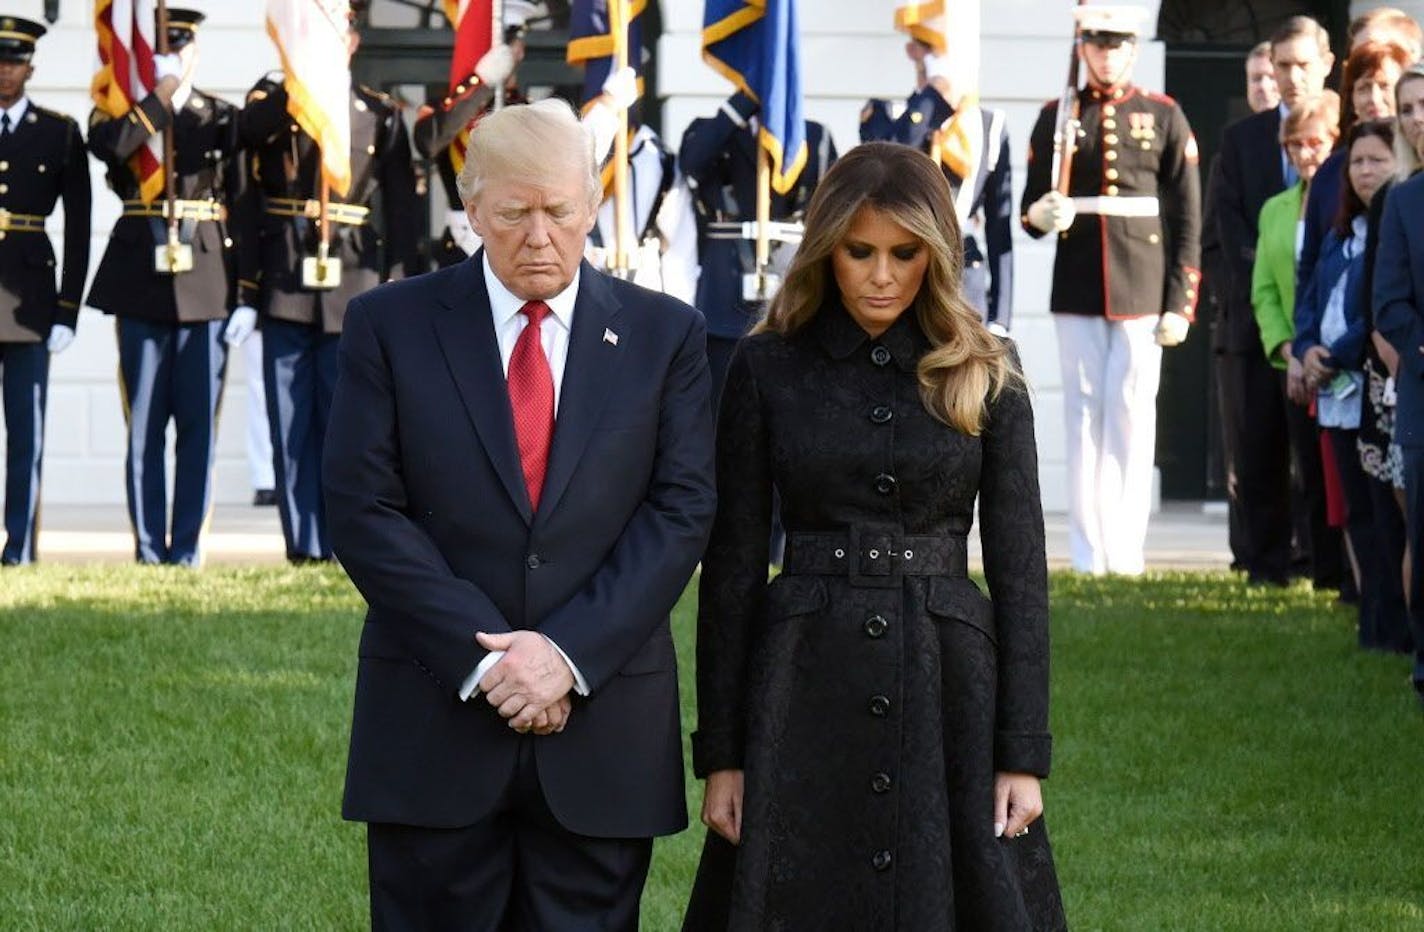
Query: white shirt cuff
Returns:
{"type": "Point", "coordinates": [472, 682]}
{"type": "Point", "coordinates": [580, 684]}
{"type": "Point", "coordinates": [733, 115]}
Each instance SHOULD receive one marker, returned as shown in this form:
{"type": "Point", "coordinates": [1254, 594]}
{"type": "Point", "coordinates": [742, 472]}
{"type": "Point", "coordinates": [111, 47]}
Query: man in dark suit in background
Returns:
{"type": "Point", "coordinates": [42, 161]}
{"type": "Point", "coordinates": [519, 480]}
{"type": "Point", "coordinates": [1251, 167]}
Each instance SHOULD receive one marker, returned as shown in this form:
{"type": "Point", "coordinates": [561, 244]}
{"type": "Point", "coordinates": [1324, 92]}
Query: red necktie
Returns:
{"type": "Point", "coordinates": [531, 399]}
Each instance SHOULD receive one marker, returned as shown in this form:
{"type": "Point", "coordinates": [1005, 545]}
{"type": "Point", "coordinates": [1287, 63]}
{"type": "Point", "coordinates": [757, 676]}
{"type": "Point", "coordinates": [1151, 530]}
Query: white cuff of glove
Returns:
{"type": "Point", "coordinates": [168, 66]}
{"type": "Point", "coordinates": [1171, 329]}
{"type": "Point", "coordinates": [622, 88]}
{"type": "Point", "coordinates": [1052, 212]}
{"type": "Point", "coordinates": [496, 65]}
{"type": "Point", "coordinates": [240, 325]}
{"type": "Point", "coordinates": [60, 337]}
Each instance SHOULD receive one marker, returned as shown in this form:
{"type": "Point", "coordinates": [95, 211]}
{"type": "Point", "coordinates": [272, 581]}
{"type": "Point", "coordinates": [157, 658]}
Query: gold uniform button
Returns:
{"type": "Point", "coordinates": [1191, 293]}
{"type": "Point", "coordinates": [1154, 239]}
{"type": "Point", "coordinates": [1110, 155]}
{"type": "Point", "coordinates": [917, 117]}
{"type": "Point", "coordinates": [1110, 139]}
{"type": "Point", "coordinates": [1111, 174]}
{"type": "Point", "coordinates": [4, 189]}
{"type": "Point", "coordinates": [1112, 190]}
{"type": "Point", "coordinates": [42, 169]}
{"type": "Point", "coordinates": [1146, 144]}
{"type": "Point", "coordinates": [370, 150]}
{"type": "Point", "coordinates": [4, 165]}
{"type": "Point", "coordinates": [1109, 124]}
{"type": "Point", "coordinates": [2, 234]}
{"type": "Point", "coordinates": [1109, 110]}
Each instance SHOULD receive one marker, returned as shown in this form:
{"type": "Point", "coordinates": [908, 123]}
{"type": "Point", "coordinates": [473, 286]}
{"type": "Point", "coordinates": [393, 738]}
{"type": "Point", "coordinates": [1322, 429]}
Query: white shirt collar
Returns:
{"type": "Point", "coordinates": [17, 111]}
{"type": "Point", "coordinates": [504, 304]}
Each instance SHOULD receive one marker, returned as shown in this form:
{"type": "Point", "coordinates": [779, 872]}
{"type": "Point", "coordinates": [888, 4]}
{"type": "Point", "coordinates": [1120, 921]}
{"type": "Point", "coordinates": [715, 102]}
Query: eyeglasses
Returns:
{"type": "Point", "coordinates": [1315, 144]}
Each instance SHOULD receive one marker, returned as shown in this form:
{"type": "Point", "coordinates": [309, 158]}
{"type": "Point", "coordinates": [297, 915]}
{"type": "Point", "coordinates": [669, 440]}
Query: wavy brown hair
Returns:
{"type": "Point", "coordinates": [966, 366]}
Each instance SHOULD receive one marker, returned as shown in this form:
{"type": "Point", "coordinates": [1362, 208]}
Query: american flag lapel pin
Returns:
{"type": "Point", "coordinates": [610, 337]}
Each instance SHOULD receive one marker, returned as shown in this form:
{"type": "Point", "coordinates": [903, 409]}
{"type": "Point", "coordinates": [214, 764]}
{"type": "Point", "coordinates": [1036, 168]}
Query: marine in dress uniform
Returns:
{"type": "Point", "coordinates": [301, 325]}
{"type": "Point", "coordinates": [170, 324]}
{"type": "Point", "coordinates": [985, 202]}
{"type": "Point", "coordinates": [718, 156]}
{"type": "Point", "coordinates": [42, 160]}
{"type": "Point", "coordinates": [1134, 214]}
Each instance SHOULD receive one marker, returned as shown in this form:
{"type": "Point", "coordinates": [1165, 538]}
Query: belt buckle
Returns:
{"type": "Point", "coordinates": [311, 209]}
{"type": "Point", "coordinates": [4, 219]}
{"type": "Point", "coordinates": [872, 560]}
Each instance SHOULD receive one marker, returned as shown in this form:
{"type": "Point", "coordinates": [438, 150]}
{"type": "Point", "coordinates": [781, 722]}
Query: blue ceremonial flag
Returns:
{"type": "Point", "coordinates": [756, 45]}
{"type": "Point", "coordinates": [591, 42]}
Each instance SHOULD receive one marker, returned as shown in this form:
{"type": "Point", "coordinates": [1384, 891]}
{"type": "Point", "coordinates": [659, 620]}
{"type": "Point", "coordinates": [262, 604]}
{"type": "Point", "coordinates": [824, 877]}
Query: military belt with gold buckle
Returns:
{"type": "Point", "coordinates": [20, 223]}
{"type": "Point", "coordinates": [354, 215]}
{"type": "Point", "coordinates": [183, 210]}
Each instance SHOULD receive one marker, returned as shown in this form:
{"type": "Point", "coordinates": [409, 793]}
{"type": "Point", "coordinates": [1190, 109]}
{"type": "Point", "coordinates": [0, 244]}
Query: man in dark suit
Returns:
{"type": "Point", "coordinates": [519, 480]}
{"type": "Point", "coordinates": [302, 319]}
{"type": "Point", "coordinates": [1399, 316]}
{"type": "Point", "coordinates": [971, 143]}
{"type": "Point", "coordinates": [1251, 167]}
{"type": "Point", "coordinates": [42, 162]}
{"type": "Point", "coordinates": [169, 315]}
{"type": "Point", "coordinates": [718, 156]}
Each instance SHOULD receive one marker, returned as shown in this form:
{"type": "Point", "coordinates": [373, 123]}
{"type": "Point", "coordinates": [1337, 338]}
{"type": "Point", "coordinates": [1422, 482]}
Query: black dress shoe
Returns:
{"type": "Point", "coordinates": [1268, 579]}
{"type": "Point", "coordinates": [264, 498]}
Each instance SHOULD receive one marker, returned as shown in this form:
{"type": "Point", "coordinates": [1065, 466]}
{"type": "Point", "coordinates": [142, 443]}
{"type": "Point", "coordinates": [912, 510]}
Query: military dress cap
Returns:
{"type": "Point", "coordinates": [17, 38]}
{"type": "Point", "coordinates": [183, 27]}
{"type": "Point", "coordinates": [1103, 20]}
{"type": "Point", "coordinates": [517, 14]}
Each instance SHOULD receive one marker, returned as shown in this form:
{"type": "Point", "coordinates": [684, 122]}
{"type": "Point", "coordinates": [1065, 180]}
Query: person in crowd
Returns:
{"type": "Point", "coordinates": [42, 163]}
{"type": "Point", "coordinates": [519, 473]}
{"type": "Point", "coordinates": [1387, 24]}
{"type": "Point", "coordinates": [718, 157]}
{"type": "Point", "coordinates": [1261, 91]}
{"type": "Point", "coordinates": [1331, 332]}
{"type": "Point", "coordinates": [1252, 166]}
{"type": "Point", "coordinates": [972, 144]}
{"type": "Point", "coordinates": [871, 728]}
{"type": "Point", "coordinates": [1125, 279]}
{"type": "Point", "coordinates": [1398, 297]}
{"type": "Point", "coordinates": [258, 445]}
{"type": "Point", "coordinates": [170, 316]}
{"type": "Point", "coordinates": [302, 318]}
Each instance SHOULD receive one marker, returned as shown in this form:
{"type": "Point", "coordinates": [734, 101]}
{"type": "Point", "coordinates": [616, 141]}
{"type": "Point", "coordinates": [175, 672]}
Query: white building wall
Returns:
{"type": "Point", "coordinates": [850, 52]}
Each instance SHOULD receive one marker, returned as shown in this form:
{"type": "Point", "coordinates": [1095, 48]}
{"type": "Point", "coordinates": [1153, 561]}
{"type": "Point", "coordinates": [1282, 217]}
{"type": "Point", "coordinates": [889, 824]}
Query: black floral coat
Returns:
{"type": "Point", "coordinates": [870, 691]}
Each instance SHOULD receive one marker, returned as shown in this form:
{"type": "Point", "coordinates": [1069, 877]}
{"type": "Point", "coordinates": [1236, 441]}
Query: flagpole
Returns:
{"type": "Point", "coordinates": [763, 219]}
{"type": "Point", "coordinates": [497, 38]}
{"type": "Point", "coordinates": [170, 260]}
{"type": "Point", "coordinates": [623, 222]}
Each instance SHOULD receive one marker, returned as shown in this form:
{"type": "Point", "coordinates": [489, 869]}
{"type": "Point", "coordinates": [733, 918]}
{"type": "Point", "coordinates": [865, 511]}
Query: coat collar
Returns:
{"type": "Point", "coordinates": [841, 336]}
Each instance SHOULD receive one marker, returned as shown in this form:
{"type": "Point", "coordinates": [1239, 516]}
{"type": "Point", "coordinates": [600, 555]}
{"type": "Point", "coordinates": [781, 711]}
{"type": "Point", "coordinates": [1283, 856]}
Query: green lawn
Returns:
{"type": "Point", "coordinates": [172, 747]}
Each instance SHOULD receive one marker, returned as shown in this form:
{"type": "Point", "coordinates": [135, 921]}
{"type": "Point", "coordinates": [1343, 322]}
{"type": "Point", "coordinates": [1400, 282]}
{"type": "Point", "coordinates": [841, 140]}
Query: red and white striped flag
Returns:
{"type": "Point", "coordinates": [127, 42]}
{"type": "Point", "coordinates": [473, 22]}
{"type": "Point", "coordinates": [311, 38]}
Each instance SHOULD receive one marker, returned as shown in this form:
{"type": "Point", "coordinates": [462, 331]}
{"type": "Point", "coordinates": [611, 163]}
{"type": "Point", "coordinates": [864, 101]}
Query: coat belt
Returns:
{"type": "Point", "coordinates": [874, 556]}
{"type": "Point", "coordinates": [354, 215]}
{"type": "Point", "coordinates": [184, 210]}
{"type": "Point", "coordinates": [1111, 206]}
{"type": "Point", "coordinates": [20, 223]}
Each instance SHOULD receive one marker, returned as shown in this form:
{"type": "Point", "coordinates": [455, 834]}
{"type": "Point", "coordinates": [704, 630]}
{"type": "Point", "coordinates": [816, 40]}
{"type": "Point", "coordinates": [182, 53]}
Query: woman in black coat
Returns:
{"type": "Point", "coordinates": [872, 728]}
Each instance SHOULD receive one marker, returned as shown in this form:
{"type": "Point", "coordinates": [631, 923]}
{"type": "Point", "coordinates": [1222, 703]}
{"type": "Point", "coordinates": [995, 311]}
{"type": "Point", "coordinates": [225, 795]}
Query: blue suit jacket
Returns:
{"type": "Point", "coordinates": [1348, 352]}
{"type": "Point", "coordinates": [1399, 302]}
{"type": "Point", "coordinates": [430, 517]}
{"type": "Point", "coordinates": [988, 269]}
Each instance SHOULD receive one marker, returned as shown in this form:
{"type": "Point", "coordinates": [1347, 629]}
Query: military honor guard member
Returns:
{"type": "Point", "coordinates": [718, 156]}
{"type": "Point", "coordinates": [171, 307]}
{"type": "Point", "coordinates": [301, 316]}
{"type": "Point", "coordinates": [971, 143]}
{"type": "Point", "coordinates": [1132, 210]}
{"type": "Point", "coordinates": [42, 160]}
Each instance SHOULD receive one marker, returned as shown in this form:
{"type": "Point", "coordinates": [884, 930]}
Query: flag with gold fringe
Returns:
{"type": "Point", "coordinates": [591, 42]}
{"type": "Point", "coordinates": [473, 22]}
{"type": "Point", "coordinates": [756, 44]}
{"type": "Point", "coordinates": [311, 38]}
{"type": "Point", "coordinates": [127, 40]}
{"type": "Point", "coordinates": [950, 28]}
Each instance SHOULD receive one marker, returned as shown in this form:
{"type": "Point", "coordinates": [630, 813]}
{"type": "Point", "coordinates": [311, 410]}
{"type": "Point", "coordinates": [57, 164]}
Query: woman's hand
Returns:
{"type": "Point", "coordinates": [1018, 800]}
{"type": "Point", "coordinates": [1296, 388]}
{"type": "Point", "coordinates": [722, 804]}
{"type": "Point", "coordinates": [1317, 373]}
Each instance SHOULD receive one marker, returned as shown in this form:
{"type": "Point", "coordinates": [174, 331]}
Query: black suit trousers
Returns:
{"type": "Point", "coordinates": [1253, 419]}
{"type": "Point", "coordinates": [516, 870]}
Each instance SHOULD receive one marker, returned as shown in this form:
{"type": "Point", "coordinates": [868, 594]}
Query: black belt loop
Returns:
{"type": "Point", "coordinates": [876, 556]}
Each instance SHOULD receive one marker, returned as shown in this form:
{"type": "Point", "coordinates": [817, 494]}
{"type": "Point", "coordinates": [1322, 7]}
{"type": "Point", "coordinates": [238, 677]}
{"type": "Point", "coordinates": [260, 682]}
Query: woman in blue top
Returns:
{"type": "Point", "coordinates": [1331, 335]}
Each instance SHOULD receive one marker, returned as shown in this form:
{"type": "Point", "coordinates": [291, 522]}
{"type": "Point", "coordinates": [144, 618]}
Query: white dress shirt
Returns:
{"type": "Point", "coordinates": [17, 112]}
{"type": "Point", "coordinates": [554, 337]}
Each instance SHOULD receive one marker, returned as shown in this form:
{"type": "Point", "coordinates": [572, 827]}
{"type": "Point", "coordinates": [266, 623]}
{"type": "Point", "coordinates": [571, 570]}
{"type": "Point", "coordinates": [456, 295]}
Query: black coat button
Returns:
{"type": "Point", "coordinates": [533, 561]}
{"type": "Point", "coordinates": [880, 356]}
{"type": "Point", "coordinates": [875, 626]}
{"type": "Point", "coordinates": [884, 483]}
{"type": "Point", "coordinates": [882, 860]}
{"type": "Point", "coordinates": [880, 414]}
{"type": "Point", "coordinates": [879, 705]}
{"type": "Point", "coordinates": [880, 783]}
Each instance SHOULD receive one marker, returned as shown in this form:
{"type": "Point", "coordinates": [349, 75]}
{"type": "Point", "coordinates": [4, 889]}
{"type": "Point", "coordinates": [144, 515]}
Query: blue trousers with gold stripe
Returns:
{"type": "Point", "coordinates": [24, 381]}
{"type": "Point", "coordinates": [170, 372]}
{"type": "Point", "coordinates": [299, 367]}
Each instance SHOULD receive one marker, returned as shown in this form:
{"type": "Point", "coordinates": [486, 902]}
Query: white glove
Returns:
{"type": "Point", "coordinates": [1171, 328]}
{"type": "Point", "coordinates": [168, 66]}
{"type": "Point", "coordinates": [60, 337]}
{"type": "Point", "coordinates": [240, 325]}
{"type": "Point", "coordinates": [1052, 212]}
{"type": "Point", "coordinates": [496, 65]}
{"type": "Point", "coordinates": [936, 66]}
{"type": "Point", "coordinates": [621, 87]}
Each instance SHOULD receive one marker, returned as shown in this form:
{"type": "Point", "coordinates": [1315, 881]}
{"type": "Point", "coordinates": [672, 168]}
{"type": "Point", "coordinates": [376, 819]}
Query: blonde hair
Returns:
{"type": "Point", "coordinates": [531, 143]}
{"type": "Point", "coordinates": [966, 366]}
{"type": "Point", "coordinates": [1406, 157]}
{"type": "Point", "coordinates": [1323, 107]}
